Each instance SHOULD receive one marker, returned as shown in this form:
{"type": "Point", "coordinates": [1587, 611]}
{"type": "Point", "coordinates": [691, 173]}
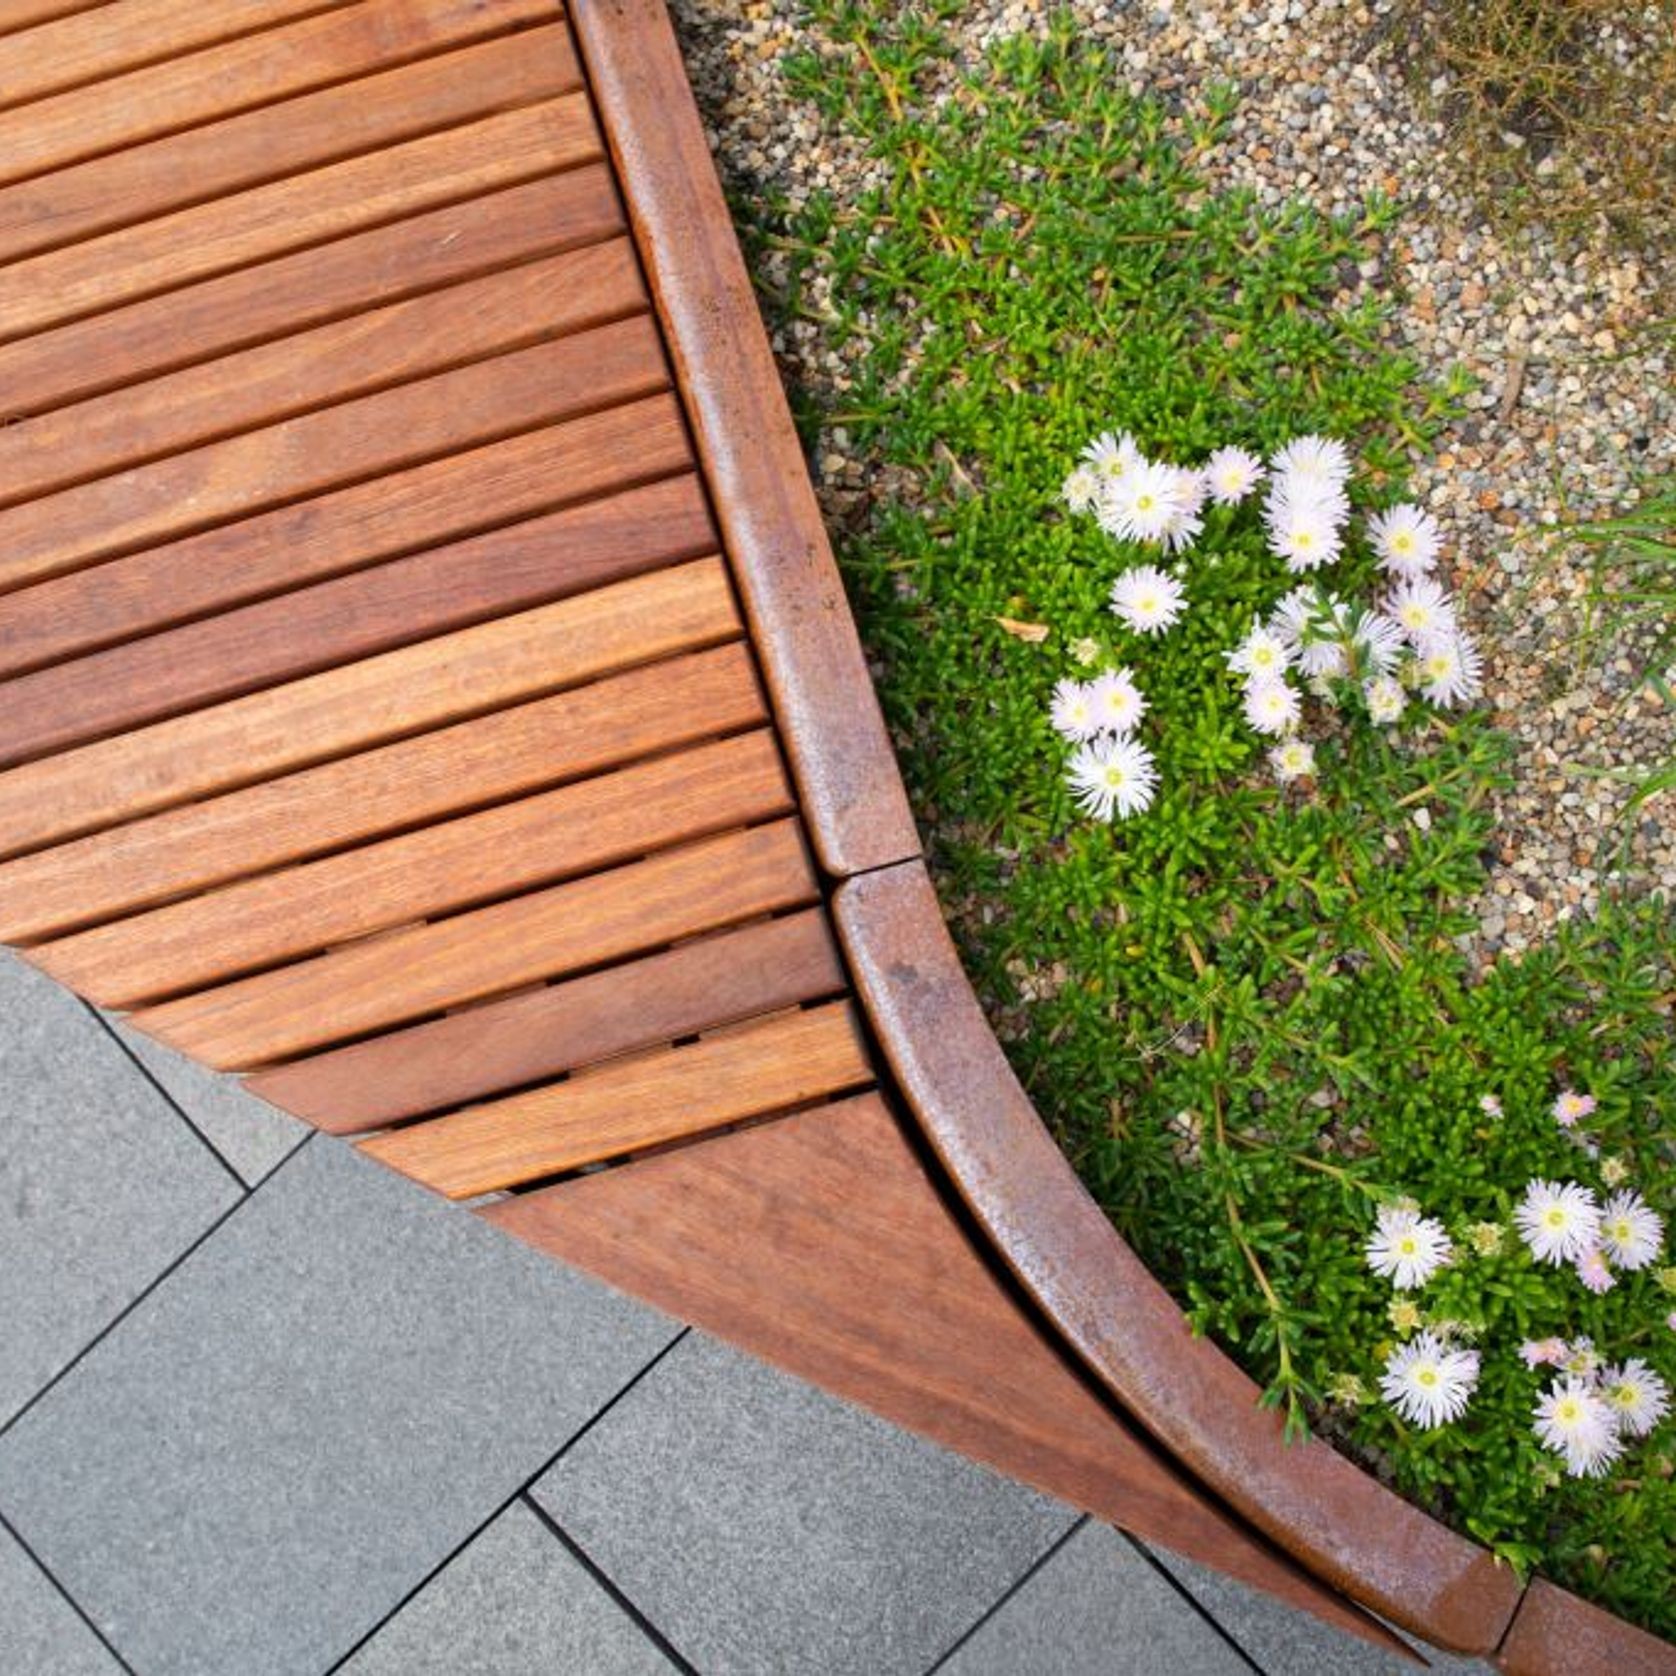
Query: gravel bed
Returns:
{"type": "Point", "coordinates": [1574, 401]}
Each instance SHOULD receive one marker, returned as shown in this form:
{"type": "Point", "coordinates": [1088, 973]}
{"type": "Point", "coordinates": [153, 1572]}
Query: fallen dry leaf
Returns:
{"type": "Point", "coordinates": [1035, 633]}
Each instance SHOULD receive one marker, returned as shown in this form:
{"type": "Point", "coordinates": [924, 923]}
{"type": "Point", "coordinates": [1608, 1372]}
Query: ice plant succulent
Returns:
{"type": "Point", "coordinates": [1406, 1247]}
{"type": "Point", "coordinates": [1113, 777]}
{"type": "Point", "coordinates": [1428, 1382]}
{"type": "Point", "coordinates": [1575, 1421]}
{"type": "Point", "coordinates": [1148, 599]}
{"type": "Point", "coordinates": [1558, 1221]}
{"type": "Point", "coordinates": [1631, 1232]}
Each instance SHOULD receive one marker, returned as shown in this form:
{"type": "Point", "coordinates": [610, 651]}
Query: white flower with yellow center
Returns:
{"type": "Point", "coordinates": [1631, 1231]}
{"type": "Point", "coordinates": [1110, 456]}
{"type": "Point", "coordinates": [1406, 539]}
{"type": "Point", "coordinates": [1636, 1395]}
{"type": "Point", "coordinates": [1302, 532]}
{"type": "Point", "coordinates": [1080, 489]}
{"type": "Point", "coordinates": [1559, 1221]}
{"type": "Point", "coordinates": [1272, 707]}
{"type": "Point", "coordinates": [1450, 671]}
{"type": "Point", "coordinates": [1292, 759]}
{"type": "Point", "coordinates": [1427, 1382]}
{"type": "Point", "coordinates": [1386, 700]}
{"type": "Point", "coordinates": [1316, 462]}
{"type": "Point", "coordinates": [1262, 653]}
{"type": "Point", "coordinates": [1574, 1421]}
{"type": "Point", "coordinates": [1422, 609]}
{"type": "Point", "coordinates": [1231, 474]}
{"type": "Point", "coordinates": [1113, 776]}
{"type": "Point", "coordinates": [1142, 504]}
{"type": "Point", "coordinates": [1118, 704]}
{"type": "Point", "coordinates": [1072, 712]}
{"type": "Point", "coordinates": [1406, 1248]}
{"type": "Point", "coordinates": [1149, 600]}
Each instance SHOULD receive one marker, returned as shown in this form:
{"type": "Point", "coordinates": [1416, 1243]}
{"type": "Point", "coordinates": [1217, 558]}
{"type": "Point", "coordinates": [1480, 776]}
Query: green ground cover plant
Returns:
{"type": "Point", "coordinates": [1246, 1012]}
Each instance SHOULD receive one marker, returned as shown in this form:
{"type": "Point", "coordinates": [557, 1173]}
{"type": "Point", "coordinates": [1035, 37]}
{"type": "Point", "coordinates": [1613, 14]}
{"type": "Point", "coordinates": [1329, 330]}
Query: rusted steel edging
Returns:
{"type": "Point", "coordinates": [1342, 1524]}
{"type": "Point", "coordinates": [829, 715]}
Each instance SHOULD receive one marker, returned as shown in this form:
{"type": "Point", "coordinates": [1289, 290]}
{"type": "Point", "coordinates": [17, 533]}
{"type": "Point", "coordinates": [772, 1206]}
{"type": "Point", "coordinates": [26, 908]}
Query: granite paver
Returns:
{"type": "Point", "coordinates": [762, 1525]}
{"type": "Point", "coordinates": [101, 1184]}
{"type": "Point", "coordinates": [1096, 1608]}
{"type": "Point", "coordinates": [269, 1452]}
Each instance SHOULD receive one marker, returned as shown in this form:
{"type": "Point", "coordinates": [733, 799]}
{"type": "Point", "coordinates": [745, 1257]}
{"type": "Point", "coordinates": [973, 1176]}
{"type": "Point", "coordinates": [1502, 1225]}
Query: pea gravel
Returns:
{"type": "Point", "coordinates": [1573, 404]}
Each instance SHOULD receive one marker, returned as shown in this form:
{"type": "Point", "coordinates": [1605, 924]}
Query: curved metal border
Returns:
{"type": "Point", "coordinates": [1341, 1523]}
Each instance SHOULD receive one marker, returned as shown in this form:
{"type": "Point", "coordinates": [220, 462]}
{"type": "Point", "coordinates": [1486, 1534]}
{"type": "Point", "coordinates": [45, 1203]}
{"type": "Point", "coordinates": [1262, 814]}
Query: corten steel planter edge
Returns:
{"type": "Point", "coordinates": [1005, 1166]}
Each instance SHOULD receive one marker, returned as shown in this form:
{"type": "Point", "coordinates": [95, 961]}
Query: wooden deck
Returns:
{"type": "Point", "coordinates": [428, 691]}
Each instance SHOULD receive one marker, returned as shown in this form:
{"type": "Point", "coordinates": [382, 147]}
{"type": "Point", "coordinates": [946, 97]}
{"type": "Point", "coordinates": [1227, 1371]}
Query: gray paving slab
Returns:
{"type": "Point", "coordinates": [515, 1603]}
{"type": "Point", "coordinates": [102, 1185]}
{"type": "Point", "coordinates": [762, 1525]}
{"type": "Point", "coordinates": [1096, 1608]}
{"type": "Point", "coordinates": [1286, 1642]}
{"type": "Point", "coordinates": [254, 1137]}
{"type": "Point", "coordinates": [281, 1442]}
{"type": "Point", "coordinates": [40, 1632]}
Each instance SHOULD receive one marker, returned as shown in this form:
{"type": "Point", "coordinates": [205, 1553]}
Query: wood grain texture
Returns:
{"type": "Point", "coordinates": [360, 270]}
{"type": "Point", "coordinates": [820, 1244]}
{"type": "Point", "coordinates": [198, 87]}
{"type": "Point", "coordinates": [350, 617]}
{"type": "Point", "coordinates": [631, 1104]}
{"type": "Point", "coordinates": [1342, 1524]}
{"type": "Point", "coordinates": [408, 975]}
{"type": "Point", "coordinates": [209, 239]}
{"type": "Point", "coordinates": [25, 14]}
{"type": "Point", "coordinates": [543, 1033]}
{"type": "Point", "coordinates": [442, 869]}
{"type": "Point", "coordinates": [841, 756]}
{"type": "Point", "coordinates": [418, 338]}
{"type": "Point", "coordinates": [369, 436]}
{"type": "Point", "coordinates": [223, 158]}
{"type": "Point", "coordinates": [469, 765]}
{"type": "Point", "coordinates": [483, 489]}
{"type": "Point", "coordinates": [126, 34]}
{"type": "Point", "coordinates": [386, 697]}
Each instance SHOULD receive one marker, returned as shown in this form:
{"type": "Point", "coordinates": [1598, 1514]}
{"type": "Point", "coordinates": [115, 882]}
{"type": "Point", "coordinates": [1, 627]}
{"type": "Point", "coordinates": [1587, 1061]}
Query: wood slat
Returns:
{"type": "Point", "coordinates": [287, 215]}
{"type": "Point", "coordinates": [509, 753]}
{"type": "Point", "coordinates": [462, 863]}
{"type": "Point", "coordinates": [361, 270]}
{"type": "Point", "coordinates": [545, 1032]}
{"type": "Point", "coordinates": [820, 1244]}
{"type": "Point", "coordinates": [198, 87]}
{"type": "Point", "coordinates": [493, 315]}
{"type": "Point", "coordinates": [125, 35]}
{"type": "Point", "coordinates": [223, 158]}
{"type": "Point", "coordinates": [451, 498]}
{"type": "Point", "coordinates": [25, 14]}
{"type": "Point", "coordinates": [629, 1105]}
{"type": "Point", "coordinates": [356, 616]}
{"type": "Point", "coordinates": [343, 710]}
{"type": "Point", "coordinates": [316, 452]}
{"type": "Point", "coordinates": [410, 974]}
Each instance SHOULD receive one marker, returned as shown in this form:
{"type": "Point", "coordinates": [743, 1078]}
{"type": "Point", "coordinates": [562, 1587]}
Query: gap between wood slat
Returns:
{"type": "Point", "coordinates": [366, 354]}
{"type": "Point", "coordinates": [281, 296]}
{"type": "Point", "coordinates": [295, 214]}
{"type": "Point", "coordinates": [454, 498]}
{"type": "Point", "coordinates": [247, 74]}
{"type": "Point", "coordinates": [503, 1046]}
{"type": "Point", "coordinates": [77, 50]}
{"type": "Point", "coordinates": [383, 792]}
{"type": "Point", "coordinates": [362, 440]}
{"type": "Point", "coordinates": [225, 159]}
{"type": "Point", "coordinates": [18, 15]}
{"type": "Point", "coordinates": [633, 1104]}
{"type": "Point", "coordinates": [418, 973]}
{"type": "Point", "coordinates": [348, 618]}
{"type": "Point", "coordinates": [461, 863]}
{"type": "Point", "coordinates": [341, 711]}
